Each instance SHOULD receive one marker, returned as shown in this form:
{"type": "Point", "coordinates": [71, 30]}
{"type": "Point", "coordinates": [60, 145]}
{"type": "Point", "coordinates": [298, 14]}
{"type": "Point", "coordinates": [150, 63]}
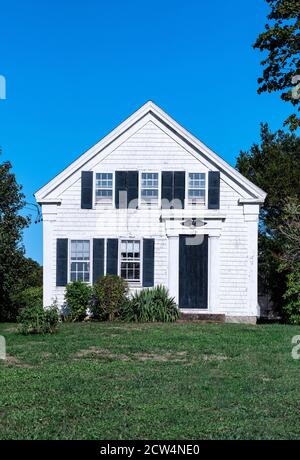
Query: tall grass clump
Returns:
{"type": "Point", "coordinates": [150, 305]}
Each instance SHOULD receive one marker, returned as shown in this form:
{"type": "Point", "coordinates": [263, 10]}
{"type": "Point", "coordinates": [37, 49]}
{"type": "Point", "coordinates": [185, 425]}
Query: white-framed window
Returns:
{"type": "Point", "coordinates": [149, 189]}
{"type": "Point", "coordinates": [130, 260]}
{"type": "Point", "coordinates": [196, 189]}
{"type": "Point", "coordinates": [104, 188]}
{"type": "Point", "coordinates": [80, 260]}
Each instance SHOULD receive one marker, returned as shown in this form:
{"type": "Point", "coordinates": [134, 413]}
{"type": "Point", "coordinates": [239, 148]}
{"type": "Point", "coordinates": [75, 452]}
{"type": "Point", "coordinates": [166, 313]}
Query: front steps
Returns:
{"type": "Point", "coordinates": [202, 318]}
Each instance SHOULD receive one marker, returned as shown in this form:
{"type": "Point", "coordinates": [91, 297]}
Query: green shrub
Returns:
{"type": "Point", "coordinates": [291, 308]}
{"type": "Point", "coordinates": [30, 297]}
{"type": "Point", "coordinates": [37, 320]}
{"type": "Point", "coordinates": [150, 305]}
{"type": "Point", "coordinates": [110, 295]}
{"type": "Point", "coordinates": [78, 297]}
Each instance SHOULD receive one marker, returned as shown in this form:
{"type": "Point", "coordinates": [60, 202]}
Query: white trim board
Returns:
{"type": "Point", "coordinates": [150, 111]}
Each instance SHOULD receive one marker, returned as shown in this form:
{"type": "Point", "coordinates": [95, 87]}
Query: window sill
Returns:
{"type": "Point", "coordinates": [133, 284]}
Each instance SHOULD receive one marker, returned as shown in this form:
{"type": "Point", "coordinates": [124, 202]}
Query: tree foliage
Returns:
{"type": "Point", "coordinates": [281, 43]}
{"type": "Point", "coordinates": [290, 232]}
{"type": "Point", "coordinates": [16, 271]}
{"type": "Point", "coordinates": [110, 295]}
{"type": "Point", "coordinates": [274, 165]}
{"type": "Point", "coordinates": [11, 227]}
{"type": "Point", "coordinates": [78, 297]}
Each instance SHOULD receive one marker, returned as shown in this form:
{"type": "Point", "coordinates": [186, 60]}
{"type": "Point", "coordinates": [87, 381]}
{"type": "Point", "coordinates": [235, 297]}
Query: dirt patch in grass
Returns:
{"type": "Point", "coordinates": [46, 354]}
{"type": "Point", "coordinates": [13, 361]}
{"type": "Point", "coordinates": [127, 328]}
{"type": "Point", "coordinates": [11, 329]}
{"type": "Point", "coordinates": [95, 352]}
{"type": "Point", "coordinates": [214, 357]}
{"type": "Point", "coordinates": [163, 357]}
{"type": "Point", "coordinates": [32, 342]}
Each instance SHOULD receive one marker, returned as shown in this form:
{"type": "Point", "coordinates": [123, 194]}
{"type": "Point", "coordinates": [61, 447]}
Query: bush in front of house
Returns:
{"type": "Point", "coordinates": [34, 319]}
{"type": "Point", "coordinates": [291, 309]}
{"type": "Point", "coordinates": [149, 305]}
{"type": "Point", "coordinates": [30, 297]}
{"type": "Point", "coordinates": [78, 298]}
{"type": "Point", "coordinates": [109, 297]}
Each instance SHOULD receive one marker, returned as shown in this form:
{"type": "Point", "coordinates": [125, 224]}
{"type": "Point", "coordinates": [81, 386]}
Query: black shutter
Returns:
{"type": "Point", "coordinates": [148, 262]}
{"type": "Point", "coordinates": [127, 181]}
{"type": "Point", "coordinates": [213, 190]}
{"type": "Point", "coordinates": [98, 258]}
{"type": "Point", "coordinates": [132, 189]}
{"type": "Point", "coordinates": [179, 189]}
{"type": "Point", "coordinates": [120, 186]}
{"type": "Point", "coordinates": [112, 256]}
{"type": "Point", "coordinates": [167, 187]}
{"type": "Point", "coordinates": [61, 262]}
{"type": "Point", "coordinates": [86, 189]}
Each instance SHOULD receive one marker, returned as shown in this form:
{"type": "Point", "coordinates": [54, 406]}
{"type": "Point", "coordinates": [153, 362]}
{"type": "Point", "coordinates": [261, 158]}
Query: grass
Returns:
{"type": "Point", "coordinates": [154, 381]}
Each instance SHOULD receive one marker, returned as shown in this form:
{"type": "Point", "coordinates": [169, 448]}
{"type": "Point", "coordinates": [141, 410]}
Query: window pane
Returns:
{"type": "Point", "coordinates": [149, 188]}
{"type": "Point", "coordinates": [136, 246]}
{"type": "Point", "coordinates": [104, 187]}
{"type": "Point", "coordinates": [130, 260]}
{"type": "Point", "coordinates": [130, 246]}
{"type": "Point", "coordinates": [80, 260]}
{"type": "Point", "coordinates": [196, 192]}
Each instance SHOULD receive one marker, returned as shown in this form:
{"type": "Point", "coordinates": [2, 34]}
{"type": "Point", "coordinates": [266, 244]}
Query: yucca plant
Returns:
{"type": "Point", "coordinates": [149, 305]}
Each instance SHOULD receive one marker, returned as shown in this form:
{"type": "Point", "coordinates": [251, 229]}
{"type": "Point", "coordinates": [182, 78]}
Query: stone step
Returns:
{"type": "Point", "coordinates": [202, 317]}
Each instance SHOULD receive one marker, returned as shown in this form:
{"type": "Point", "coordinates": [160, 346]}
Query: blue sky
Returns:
{"type": "Point", "coordinates": [74, 70]}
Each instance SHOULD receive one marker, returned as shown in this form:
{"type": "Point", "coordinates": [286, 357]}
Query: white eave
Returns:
{"type": "Point", "coordinates": [252, 200]}
{"type": "Point", "coordinates": [255, 192]}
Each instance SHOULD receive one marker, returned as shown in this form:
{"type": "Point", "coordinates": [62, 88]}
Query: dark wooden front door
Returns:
{"type": "Point", "coordinates": [193, 272]}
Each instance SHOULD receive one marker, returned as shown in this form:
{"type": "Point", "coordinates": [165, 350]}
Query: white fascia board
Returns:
{"type": "Point", "coordinates": [251, 200]}
{"type": "Point", "coordinates": [220, 163]}
{"type": "Point", "coordinates": [164, 118]}
{"type": "Point", "coordinates": [90, 153]}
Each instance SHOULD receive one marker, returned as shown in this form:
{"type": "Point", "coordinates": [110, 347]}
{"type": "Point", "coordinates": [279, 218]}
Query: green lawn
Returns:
{"type": "Point", "coordinates": [157, 381]}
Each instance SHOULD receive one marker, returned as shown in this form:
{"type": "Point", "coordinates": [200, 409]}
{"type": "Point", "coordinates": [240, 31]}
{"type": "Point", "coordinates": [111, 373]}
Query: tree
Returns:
{"type": "Point", "coordinates": [32, 274]}
{"type": "Point", "coordinates": [274, 165]}
{"type": "Point", "coordinates": [281, 42]}
{"type": "Point", "coordinates": [290, 232]}
{"type": "Point", "coordinates": [11, 250]}
{"type": "Point", "coordinates": [290, 260]}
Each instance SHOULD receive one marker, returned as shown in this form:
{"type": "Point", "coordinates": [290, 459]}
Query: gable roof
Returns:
{"type": "Point", "coordinates": [256, 194]}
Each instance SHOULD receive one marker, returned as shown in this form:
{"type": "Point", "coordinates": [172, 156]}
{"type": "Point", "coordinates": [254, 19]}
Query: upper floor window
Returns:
{"type": "Point", "coordinates": [131, 260]}
{"type": "Point", "coordinates": [149, 189]}
{"type": "Point", "coordinates": [104, 188]}
{"type": "Point", "coordinates": [80, 260]}
{"type": "Point", "coordinates": [196, 191]}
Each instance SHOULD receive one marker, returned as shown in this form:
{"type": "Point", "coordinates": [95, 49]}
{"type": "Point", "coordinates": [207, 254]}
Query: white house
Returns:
{"type": "Point", "coordinates": [153, 204]}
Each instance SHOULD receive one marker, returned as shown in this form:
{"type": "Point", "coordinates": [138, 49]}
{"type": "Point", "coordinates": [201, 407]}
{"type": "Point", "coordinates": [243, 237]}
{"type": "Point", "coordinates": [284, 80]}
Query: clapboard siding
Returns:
{"type": "Point", "coordinates": [233, 255]}
{"type": "Point", "coordinates": [151, 149]}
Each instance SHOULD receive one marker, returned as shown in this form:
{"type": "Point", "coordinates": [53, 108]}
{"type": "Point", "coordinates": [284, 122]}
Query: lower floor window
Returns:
{"type": "Point", "coordinates": [80, 260]}
{"type": "Point", "coordinates": [130, 260]}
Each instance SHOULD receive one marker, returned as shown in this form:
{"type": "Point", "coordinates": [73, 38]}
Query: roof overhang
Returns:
{"type": "Point", "coordinates": [150, 108]}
